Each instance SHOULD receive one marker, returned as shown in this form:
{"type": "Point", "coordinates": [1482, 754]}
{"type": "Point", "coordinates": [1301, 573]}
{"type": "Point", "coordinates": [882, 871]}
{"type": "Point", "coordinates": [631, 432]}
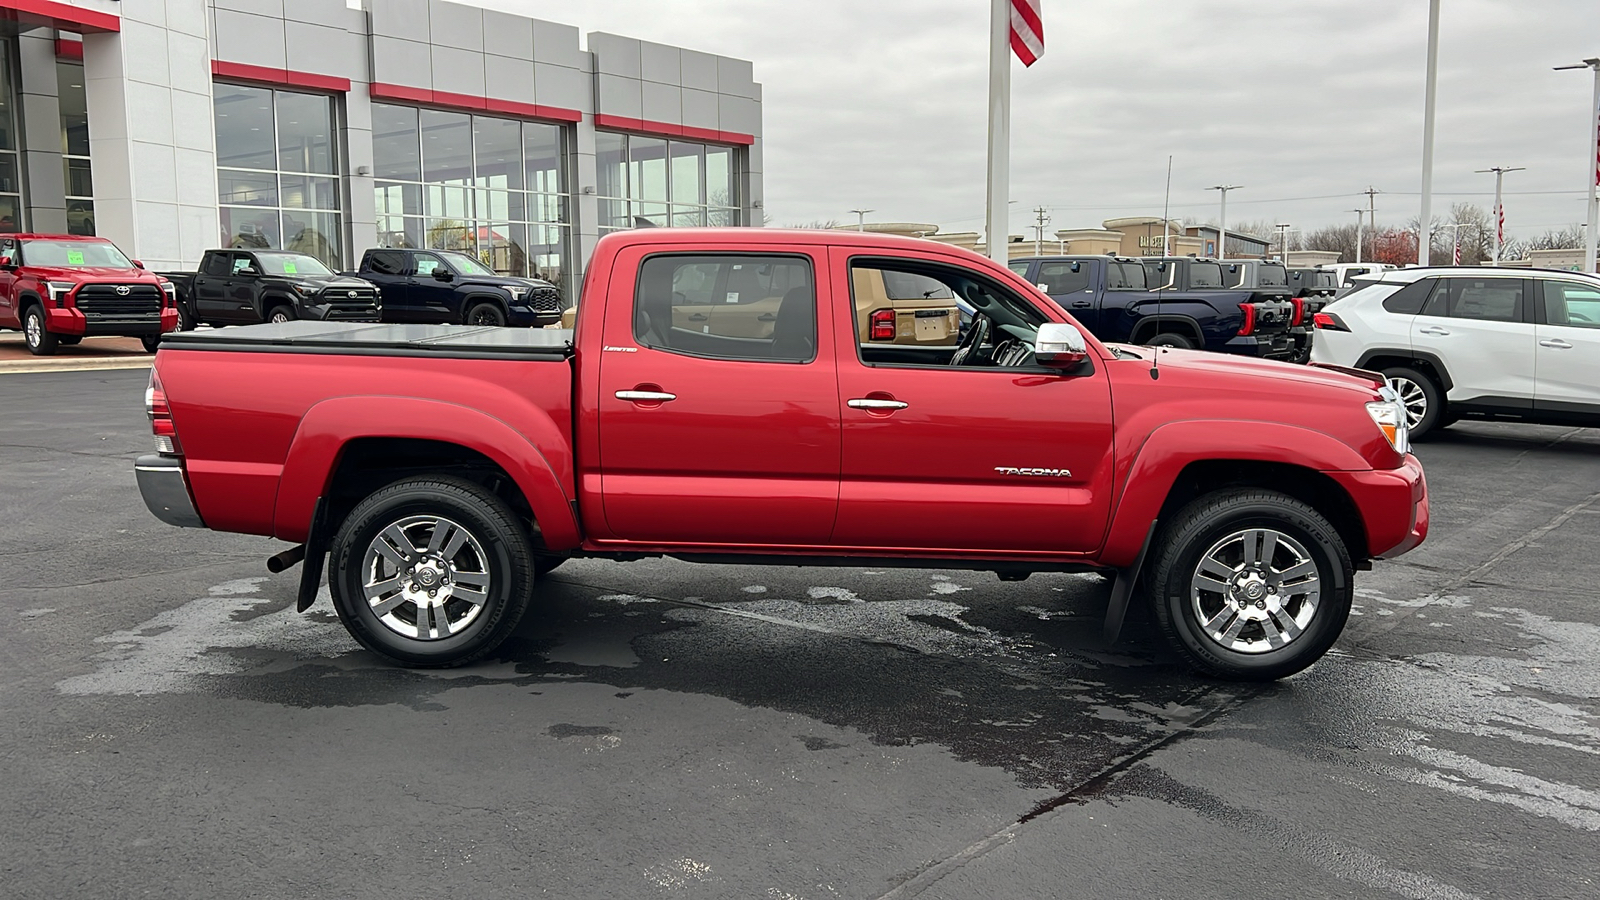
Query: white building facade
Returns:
{"type": "Point", "coordinates": [334, 126]}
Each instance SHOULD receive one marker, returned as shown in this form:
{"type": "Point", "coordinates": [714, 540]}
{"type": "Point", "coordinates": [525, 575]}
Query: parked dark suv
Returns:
{"type": "Point", "coordinates": [446, 286]}
{"type": "Point", "coordinates": [248, 287]}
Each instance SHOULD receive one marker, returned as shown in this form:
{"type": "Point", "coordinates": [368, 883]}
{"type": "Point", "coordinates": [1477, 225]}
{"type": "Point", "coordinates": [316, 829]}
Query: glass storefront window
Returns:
{"type": "Point", "coordinates": [655, 181]}
{"type": "Point", "coordinates": [75, 147]}
{"type": "Point", "coordinates": [10, 180]}
{"type": "Point", "coordinates": [277, 171]}
{"type": "Point", "coordinates": [485, 185]}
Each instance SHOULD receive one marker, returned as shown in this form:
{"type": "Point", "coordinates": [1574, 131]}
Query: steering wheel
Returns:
{"type": "Point", "coordinates": [976, 335]}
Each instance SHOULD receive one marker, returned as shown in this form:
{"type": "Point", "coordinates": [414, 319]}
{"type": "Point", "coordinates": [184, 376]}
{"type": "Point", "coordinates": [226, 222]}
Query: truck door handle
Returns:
{"type": "Point", "coordinates": [1556, 343]}
{"type": "Point", "coordinates": [1082, 304]}
{"type": "Point", "coordinates": [646, 396]}
{"type": "Point", "coordinates": [1433, 329]}
{"type": "Point", "coordinates": [876, 403]}
{"type": "Point", "coordinates": [699, 317]}
{"type": "Point", "coordinates": [769, 317]}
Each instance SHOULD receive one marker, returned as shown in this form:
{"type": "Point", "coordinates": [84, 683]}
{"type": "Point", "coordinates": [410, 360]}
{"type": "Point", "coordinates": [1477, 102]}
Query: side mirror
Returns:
{"type": "Point", "coordinates": [442, 274]}
{"type": "Point", "coordinates": [1060, 346]}
{"type": "Point", "coordinates": [137, 264]}
{"type": "Point", "coordinates": [248, 270]}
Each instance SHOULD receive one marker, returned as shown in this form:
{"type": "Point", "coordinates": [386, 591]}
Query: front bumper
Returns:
{"type": "Point", "coordinates": [528, 317]}
{"type": "Point", "coordinates": [71, 320]}
{"type": "Point", "coordinates": [166, 490]}
{"type": "Point", "coordinates": [1393, 504]}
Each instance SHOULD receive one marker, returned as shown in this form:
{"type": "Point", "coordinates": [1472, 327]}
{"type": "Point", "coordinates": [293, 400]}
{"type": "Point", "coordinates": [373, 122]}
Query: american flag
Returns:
{"type": "Point", "coordinates": [1027, 31]}
{"type": "Point", "coordinates": [1456, 253]}
{"type": "Point", "coordinates": [1500, 223]}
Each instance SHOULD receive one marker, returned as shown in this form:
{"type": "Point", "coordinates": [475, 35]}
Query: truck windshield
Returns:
{"type": "Point", "coordinates": [291, 264]}
{"type": "Point", "coordinates": [74, 254]}
{"type": "Point", "coordinates": [466, 265]}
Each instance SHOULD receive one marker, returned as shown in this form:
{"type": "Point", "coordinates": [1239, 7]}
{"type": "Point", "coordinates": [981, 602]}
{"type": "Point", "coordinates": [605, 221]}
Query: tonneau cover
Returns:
{"type": "Point", "coordinates": [350, 338]}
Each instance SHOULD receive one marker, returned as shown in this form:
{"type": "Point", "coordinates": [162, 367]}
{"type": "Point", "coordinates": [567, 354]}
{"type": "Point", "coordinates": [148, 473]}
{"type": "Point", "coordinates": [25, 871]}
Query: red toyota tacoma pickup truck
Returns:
{"type": "Point", "coordinates": [441, 470]}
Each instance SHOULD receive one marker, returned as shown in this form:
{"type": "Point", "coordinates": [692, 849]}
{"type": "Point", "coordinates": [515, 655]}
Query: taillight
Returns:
{"type": "Point", "coordinates": [155, 406]}
{"type": "Point", "coordinates": [1299, 310]}
{"type": "Point", "coordinates": [1248, 326]}
{"type": "Point", "coordinates": [1328, 321]}
{"type": "Point", "coordinates": [882, 327]}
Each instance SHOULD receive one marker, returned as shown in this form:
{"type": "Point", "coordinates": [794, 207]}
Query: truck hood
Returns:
{"type": "Point", "coordinates": [325, 281]}
{"type": "Point", "coordinates": [92, 273]}
{"type": "Point", "coordinates": [504, 281]}
{"type": "Point", "coordinates": [1203, 362]}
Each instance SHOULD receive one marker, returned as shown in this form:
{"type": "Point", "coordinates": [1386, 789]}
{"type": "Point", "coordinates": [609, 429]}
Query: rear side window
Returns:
{"type": "Point", "coordinates": [1125, 276]}
{"type": "Point", "coordinates": [1409, 300]}
{"type": "Point", "coordinates": [1157, 274]}
{"type": "Point", "coordinates": [1272, 276]}
{"type": "Point", "coordinates": [1571, 303]}
{"type": "Point", "coordinates": [1065, 277]}
{"type": "Point", "coordinates": [387, 262]}
{"type": "Point", "coordinates": [1485, 299]}
{"type": "Point", "coordinates": [728, 307]}
{"type": "Point", "coordinates": [911, 286]}
{"type": "Point", "coordinates": [216, 264]}
{"type": "Point", "coordinates": [1205, 275]}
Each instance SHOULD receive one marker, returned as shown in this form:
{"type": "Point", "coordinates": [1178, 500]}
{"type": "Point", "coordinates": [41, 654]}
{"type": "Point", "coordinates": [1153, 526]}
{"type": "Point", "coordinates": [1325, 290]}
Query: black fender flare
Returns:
{"type": "Point", "coordinates": [1150, 324]}
{"type": "Point", "coordinates": [481, 296]}
{"type": "Point", "coordinates": [1429, 358]}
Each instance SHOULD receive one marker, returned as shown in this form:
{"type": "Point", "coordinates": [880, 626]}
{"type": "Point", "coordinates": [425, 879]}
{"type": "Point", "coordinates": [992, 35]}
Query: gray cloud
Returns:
{"type": "Point", "coordinates": [881, 104]}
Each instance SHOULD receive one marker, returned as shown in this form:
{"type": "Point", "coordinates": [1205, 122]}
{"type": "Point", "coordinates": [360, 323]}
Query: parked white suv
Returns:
{"type": "Point", "coordinates": [1480, 342]}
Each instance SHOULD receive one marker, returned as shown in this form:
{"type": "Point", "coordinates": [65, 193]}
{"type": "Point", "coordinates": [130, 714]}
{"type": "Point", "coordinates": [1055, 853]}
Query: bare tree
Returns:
{"type": "Point", "coordinates": [822, 224]}
{"type": "Point", "coordinates": [1340, 238]}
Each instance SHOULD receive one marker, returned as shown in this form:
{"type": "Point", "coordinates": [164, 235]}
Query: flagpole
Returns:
{"type": "Point", "coordinates": [997, 227]}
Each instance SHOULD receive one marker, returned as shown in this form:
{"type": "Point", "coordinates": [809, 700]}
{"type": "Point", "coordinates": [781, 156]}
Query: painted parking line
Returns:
{"type": "Point", "coordinates": [75, 365]}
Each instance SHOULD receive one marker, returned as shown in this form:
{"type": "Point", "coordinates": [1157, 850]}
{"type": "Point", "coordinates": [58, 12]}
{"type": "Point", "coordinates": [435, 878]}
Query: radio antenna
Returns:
{"type": "Point", "coordinates": [1166, 207]}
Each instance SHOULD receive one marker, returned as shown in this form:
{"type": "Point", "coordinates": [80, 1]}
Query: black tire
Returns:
{"type": "Point", "coordinates": [1214, 521]}
{"type": "Point", "coordinates": [486, 315]}
{"type": "Point", "coordinates": [1170, 339]}
{"type": "Point", "coordinates": [497, 548]}
{"type": "Point", "coordinates": [1410, 384]}
{"type": "Point", "coordinates": [38, 338]}
{"type": "Point", "coordinates": [281, 313]}
{"type": "Point", "coordinates": [69, 340]}
{"type": "Point", "coordinates": [151, 342]}
{"type": "Point", "coordinates": [185, 320]}
{"type": "Point", "coordinates": [544, 565]}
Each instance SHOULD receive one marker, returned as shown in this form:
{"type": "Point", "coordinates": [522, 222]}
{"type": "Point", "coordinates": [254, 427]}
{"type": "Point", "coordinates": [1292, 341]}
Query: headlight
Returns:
{"type": "Point", "coordinates": [519, 294]}
{"type": "Point", "coordinates": [1389, 414]}
{"type": "Point", "coordinates": [170, 291]}
{"type": "Point", "coordinates": [59, 289]}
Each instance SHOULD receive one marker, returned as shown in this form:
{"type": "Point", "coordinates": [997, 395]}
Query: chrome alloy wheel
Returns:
{"type": "Point", "coordinates": [1255, 591]}
{"type": "Point", "coordinates": [426, 578]}
{"type": "Point", "coordinates": [34, 331]}
{"type": "Point", "coordinates": [279, 318]}
{"type": "Point", "coordinates": [1412, 397]}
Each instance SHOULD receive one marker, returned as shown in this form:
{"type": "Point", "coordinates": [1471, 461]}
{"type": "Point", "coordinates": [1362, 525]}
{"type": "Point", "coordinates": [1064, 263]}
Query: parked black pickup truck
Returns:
{"type": "Point", "coordinates": [248, 287]}
{"type": "Point", "coordinates": [1314, 288]}
{"type": "Point", "coordinates": [1194, 309]}
{"type": "Point", "coordinates": [445, 286]}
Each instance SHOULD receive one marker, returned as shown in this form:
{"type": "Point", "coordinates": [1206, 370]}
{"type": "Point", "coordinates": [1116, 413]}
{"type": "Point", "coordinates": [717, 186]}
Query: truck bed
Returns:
{"type": "Point", "coordinates": [437, 341]}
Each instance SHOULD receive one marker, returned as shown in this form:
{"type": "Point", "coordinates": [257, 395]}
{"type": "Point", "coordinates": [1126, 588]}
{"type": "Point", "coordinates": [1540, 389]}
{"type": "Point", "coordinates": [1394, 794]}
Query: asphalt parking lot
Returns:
{"type": "Point", "coordinates": [174, 728]}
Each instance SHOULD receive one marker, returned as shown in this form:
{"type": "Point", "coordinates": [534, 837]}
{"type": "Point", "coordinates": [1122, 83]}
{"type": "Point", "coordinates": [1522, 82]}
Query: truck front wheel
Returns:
{"type": "Point", "coordinates": [1169, 339]}
{"type": "Point", "coordinates": [431, 572]}
{"type": "Point", "coordinates": [280, 314]}
{"type": "Point", "coordinates": [40, 341]}
{"type": "Point", "coordinates": [1250, 584]}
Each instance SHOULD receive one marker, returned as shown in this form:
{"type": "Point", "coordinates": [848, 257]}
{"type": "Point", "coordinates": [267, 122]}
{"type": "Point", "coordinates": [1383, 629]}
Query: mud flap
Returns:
{"type": "Point", "coordinates": [1122, 590]}
{"type": "Point", "coordinates": [316, 551]}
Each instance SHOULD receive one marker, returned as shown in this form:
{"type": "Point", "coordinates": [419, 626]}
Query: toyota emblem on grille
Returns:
{"type": "Point", "coordinates": [123, 290]}
{"type": "Point", "coordinates": [351, 295]}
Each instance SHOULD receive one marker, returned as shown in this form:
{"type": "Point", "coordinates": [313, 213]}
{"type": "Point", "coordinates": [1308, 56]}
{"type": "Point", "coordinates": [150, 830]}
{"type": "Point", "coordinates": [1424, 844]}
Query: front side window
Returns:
{"type": "Point", "coordinates": [278, 171]}
{"type": "Point", "coordinates": [1572, 303]}
{"type": "Point", "coordinates": [728, 307]}
{"type": "Point", "coordinates": [1000, 333]}
{"type": "Point", "coordinates": [427, 263]}
{"type": "Point", "coordinates": [1065, 277]}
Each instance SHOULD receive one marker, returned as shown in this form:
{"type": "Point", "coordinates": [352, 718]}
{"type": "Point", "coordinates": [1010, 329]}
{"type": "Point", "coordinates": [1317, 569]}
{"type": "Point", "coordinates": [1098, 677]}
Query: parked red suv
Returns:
{"type": "Point", "coordinates": [61, 288]}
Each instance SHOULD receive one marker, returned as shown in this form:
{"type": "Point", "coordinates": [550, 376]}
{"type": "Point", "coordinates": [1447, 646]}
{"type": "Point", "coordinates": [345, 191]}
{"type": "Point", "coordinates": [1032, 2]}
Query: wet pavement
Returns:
{"type": "Point", "coordinates": [664, 729]}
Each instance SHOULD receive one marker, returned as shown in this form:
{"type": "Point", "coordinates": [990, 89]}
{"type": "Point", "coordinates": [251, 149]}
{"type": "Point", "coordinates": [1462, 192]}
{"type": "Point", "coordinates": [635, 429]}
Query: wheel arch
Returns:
{"type": "Point", "coordinates": [1185, 460]}
{"type": "Point", "coordinates": [474, 299]}
{"type": "Point", "coordinates": [342, 451]}
{"type": "Point", "coordinates": [1379, 359]}
{"type": "Point", "coordinates": [1152, 324]}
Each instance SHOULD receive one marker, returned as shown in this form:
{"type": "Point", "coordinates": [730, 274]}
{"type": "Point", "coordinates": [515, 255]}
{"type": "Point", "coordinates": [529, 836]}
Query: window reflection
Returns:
{"type": "Point", "coordinates": [644, 181]}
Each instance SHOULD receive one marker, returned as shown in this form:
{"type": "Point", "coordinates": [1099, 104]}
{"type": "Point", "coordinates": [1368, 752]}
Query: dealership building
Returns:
{"type": "Point", "coordinates": [332, 126]}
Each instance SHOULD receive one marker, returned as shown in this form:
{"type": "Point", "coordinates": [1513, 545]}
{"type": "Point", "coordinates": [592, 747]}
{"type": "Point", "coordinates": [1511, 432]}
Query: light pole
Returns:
{"type": "Point", "coordinates": [1499, 212]}
{"type": "Point", "coordinates": [1591, 177]}
{"type": "Point", "coordinates": [1222, 227]}
{"type": "Point", "coordinates": [1424, 238]}
{"type": "Point", "coordinates": [1042, 216]}
{"type": "Point", "coordinates": [1283, 241]}
{"type": "Point", "coordinates": [861, 218]}
{"type": "Point", "coordinates": [1359, 213]}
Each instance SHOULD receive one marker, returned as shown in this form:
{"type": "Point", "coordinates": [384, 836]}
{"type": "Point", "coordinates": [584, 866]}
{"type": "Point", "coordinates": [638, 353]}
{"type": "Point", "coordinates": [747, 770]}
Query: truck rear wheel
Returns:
{"type": "Point", "coordinates": [431, 572]}
{"type": "Point", "coordinates": [1250, 584]}
{"type": "Point", "coordinates": [40, 341]}
{"type": "Point", "coordinates": [1169, 339]}
{"type": "Point", "coordinates": [151, 342]}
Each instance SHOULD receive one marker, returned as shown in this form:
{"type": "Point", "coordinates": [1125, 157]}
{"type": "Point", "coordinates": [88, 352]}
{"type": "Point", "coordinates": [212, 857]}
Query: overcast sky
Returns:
{"type": "Point", "coordinates": [881, 104]}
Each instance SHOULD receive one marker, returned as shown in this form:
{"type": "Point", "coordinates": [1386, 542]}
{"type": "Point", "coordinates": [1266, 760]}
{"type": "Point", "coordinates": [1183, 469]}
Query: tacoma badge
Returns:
{"type": "Point", "coordinates": [1043, 473]}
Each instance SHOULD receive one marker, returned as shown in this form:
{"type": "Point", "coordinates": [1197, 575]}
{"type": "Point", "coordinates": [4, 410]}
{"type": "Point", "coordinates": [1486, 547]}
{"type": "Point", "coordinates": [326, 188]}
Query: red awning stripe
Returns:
{"type": "Point", "coordinates": [284, 77]}
{"type": "Point", "coordinates": [666, 129]}
{"type": "Point", "coordinates": [449, 100]}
